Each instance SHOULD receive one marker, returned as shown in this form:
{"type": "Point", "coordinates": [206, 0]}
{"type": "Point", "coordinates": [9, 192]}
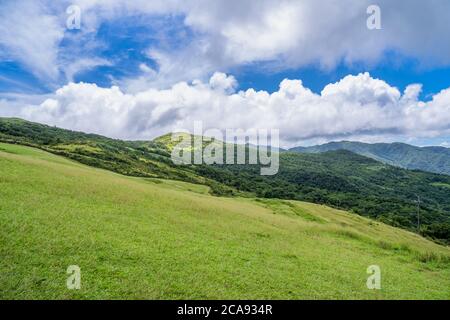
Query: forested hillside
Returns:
{"type": "Point", "coordinates": [340, 179]}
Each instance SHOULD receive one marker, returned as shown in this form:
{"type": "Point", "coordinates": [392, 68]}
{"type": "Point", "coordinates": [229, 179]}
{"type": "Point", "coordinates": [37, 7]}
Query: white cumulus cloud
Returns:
{"type": "Point", "coordinates": [357, 106]}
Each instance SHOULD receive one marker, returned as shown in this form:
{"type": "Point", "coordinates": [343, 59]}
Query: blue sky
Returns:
{"type": "Point", "coordinates": [124, 42]}
{"type": "Point", "coordinates": [143, 46]}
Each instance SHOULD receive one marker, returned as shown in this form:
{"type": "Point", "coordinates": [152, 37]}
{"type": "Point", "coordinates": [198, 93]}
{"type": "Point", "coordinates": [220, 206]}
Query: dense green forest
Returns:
{"type": "Point", "coordinates": [340, 179]}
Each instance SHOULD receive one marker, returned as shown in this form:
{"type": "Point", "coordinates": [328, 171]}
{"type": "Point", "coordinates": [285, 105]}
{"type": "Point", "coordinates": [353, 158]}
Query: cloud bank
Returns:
{"type": "Point", "coordinates": [356, 106]}
{"type": "Point", "coordinates": [162, 95]}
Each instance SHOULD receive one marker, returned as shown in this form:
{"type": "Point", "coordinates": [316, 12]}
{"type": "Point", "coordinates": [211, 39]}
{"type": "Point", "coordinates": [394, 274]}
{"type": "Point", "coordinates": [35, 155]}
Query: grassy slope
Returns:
{"type": "Point", "coordinates": [340, 179]}
{"type": "Point", "coordinates": [157, 239]}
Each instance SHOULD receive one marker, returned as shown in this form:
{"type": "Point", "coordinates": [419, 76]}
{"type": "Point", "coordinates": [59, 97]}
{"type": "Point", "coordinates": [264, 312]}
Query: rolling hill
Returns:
{"type": "Point", "coordinates": [339, 179]}
{"type": "Point", "coordinates": [150, 238]}
{"type": "Point", "coordinates": [431, 159]}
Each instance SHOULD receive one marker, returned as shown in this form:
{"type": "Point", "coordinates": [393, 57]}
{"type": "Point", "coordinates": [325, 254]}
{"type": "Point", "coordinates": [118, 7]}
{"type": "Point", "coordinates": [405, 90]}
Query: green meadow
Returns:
{"type": "Point", "coordinates": [145, 238]}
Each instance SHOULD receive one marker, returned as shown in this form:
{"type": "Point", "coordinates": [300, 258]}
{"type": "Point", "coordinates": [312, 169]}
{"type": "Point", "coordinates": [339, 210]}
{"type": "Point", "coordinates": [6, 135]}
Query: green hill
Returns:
{"type": "Point", "coordinates": [431, 159]}
{"type": "Point", "coordinates": [340, 179]}
{"type": "Point", "coordinates": [149, 238]}
{"type": "Point", "coordinates": [133, 158]}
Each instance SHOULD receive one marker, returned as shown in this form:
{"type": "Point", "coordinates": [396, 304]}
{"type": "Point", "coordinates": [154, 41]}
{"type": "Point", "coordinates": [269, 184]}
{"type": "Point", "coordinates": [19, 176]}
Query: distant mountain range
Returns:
{"type": "Point", "coordinates": [431, 159]}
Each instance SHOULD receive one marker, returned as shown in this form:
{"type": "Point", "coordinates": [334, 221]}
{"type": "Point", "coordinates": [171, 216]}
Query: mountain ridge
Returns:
{"type": "Point", "coordinates": [433, 159]}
